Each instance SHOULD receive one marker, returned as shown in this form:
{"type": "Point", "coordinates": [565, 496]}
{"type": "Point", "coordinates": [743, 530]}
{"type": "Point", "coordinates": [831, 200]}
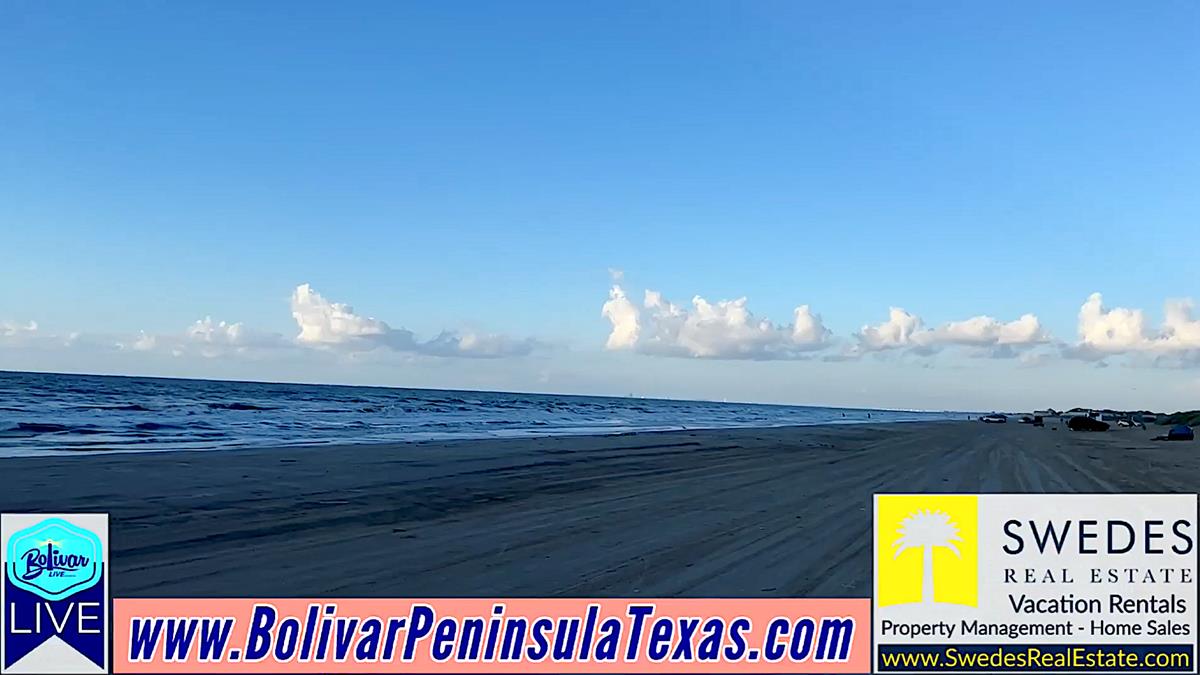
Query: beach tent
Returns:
{"type": "Point", "coordinates": [1181, 432]}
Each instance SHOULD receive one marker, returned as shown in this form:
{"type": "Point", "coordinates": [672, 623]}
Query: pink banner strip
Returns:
{"type": "Point", "coordinates": [485, 635]}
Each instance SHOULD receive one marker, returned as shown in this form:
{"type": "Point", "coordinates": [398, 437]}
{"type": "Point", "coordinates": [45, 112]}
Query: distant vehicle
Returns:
{"type": "Point", "coordinates": [994, 418]}
{"type": "Point", "coordinates": [1181, 432]}
{"type": "Point", "coordinates": [1081, 423]}
{"type": "Point", "coordinates": [1025, 419]}
{"type": "Point", "coordinates": [1039, 421]}
{"type": "Point", "coordinates": [1124, 423]}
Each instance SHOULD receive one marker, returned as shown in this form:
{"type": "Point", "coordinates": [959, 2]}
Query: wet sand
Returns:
{"type": "Point", "coordinates": [751, 512]}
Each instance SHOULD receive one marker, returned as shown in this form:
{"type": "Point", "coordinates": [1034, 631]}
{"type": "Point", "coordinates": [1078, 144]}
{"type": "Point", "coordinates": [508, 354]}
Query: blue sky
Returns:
{"type": "Point", "coordinates": [479, 168]}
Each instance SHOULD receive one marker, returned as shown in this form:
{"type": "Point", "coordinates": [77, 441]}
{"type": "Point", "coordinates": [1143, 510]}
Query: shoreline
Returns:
{"type": "Point", "coordinates": [762, 512]}
{"type": "Point", "coordinates": [448, 440]}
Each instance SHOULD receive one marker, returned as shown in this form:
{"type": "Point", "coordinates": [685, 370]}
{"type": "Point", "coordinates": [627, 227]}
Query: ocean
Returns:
{"type": "Point", "coordinates": [44, 414]}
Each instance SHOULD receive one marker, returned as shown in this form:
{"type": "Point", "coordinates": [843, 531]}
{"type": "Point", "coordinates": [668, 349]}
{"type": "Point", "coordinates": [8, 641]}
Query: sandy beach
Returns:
{"type": "Point", "coordinates": [750, 512]}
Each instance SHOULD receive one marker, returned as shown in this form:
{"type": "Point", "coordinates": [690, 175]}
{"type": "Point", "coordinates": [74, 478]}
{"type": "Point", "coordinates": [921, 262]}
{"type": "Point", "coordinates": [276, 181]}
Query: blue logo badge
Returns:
{"type": "Point", "coordinates": [55, 590]}
{"type": "Point", "coordinates": [54, 559]}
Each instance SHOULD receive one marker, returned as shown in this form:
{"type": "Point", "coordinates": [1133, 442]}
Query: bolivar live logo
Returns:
{"type": "Point", "coordinates": [55, 593]}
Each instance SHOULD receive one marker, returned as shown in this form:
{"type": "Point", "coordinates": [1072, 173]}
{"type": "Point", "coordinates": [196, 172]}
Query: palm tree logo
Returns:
{"type": "Point", "coordinates": [925, 530]}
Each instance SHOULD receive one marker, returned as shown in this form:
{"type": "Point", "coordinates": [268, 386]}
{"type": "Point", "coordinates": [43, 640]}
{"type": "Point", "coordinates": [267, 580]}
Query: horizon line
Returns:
{"type": "Point", "coordinates": [481, 391]}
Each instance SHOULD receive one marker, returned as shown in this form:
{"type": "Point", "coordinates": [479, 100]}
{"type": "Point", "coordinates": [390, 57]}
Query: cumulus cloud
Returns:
{"type": "Point", "coordinates": [896, 332]}
{"type": "Point", "coordinates": [1111, 330]}
{"type": "Point", "coordinates": [29, 334]}
{"type": "Point", "coordinates": [217, 333]}
{"type": "Point", "coordinates": [1180, 331]}
{"type": "Point", "coordinates": [217, 338]}
{"type": "Point", "coordinates": [726, 329]}
{"type": "Point", "coordinates": [10, 329]}
{"type": "Point", "coordinates": [144, 342]}
{"type": "Point", "coordinates": [204, 337]}
{"type": "Point", "coordinates": [323, 323]}
{"type": "Point", "coordinates": [1105, 331]}
{"type": "Point", "coordinates": [652, 324]}
{"type": "Point", "coordinates": [903, 330]}
{"type": "Point", "coordinates": [624, 317]}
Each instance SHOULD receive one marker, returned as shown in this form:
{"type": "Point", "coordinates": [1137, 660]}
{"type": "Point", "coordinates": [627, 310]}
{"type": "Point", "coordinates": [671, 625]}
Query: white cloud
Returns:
{"type": "Point", "coordinates": [470, 344]}
{"type": "Point", "coordinates": [323, 323]}
{"type": "Point", "coordinates": [624, 317]}
{"type": "Point", "coordinates": [986, 331]}
{"type": "Point", "coordinates": [722, 330]}
{"type": "Point", "coordinates": [903, 330]}
{"type": "Point", "coordinates": [1111, 330]}
{"type": "Point", "coordinates": [728, 330]}
{"type": "Point", "coordinates": [725, 329]}
{"type": "Point", "coordinates": [1180, 331]}
{"type": "Point", "coordinates": [209, 332]}
{"type": "Point", "coordinates": [218, 338]}
{"type": "Point", "coordinates": [142, 342]}
{"type": "Point", "coordinates": [896, 332]}
{"type": "Point", "coordinates": [9, 329]}
{"type": "Point", "coordinates": [1107, 331]}
{"type": "Point", "coordinates": [205, 338]}
{"type": "Point", "coordinates": [31, 335]}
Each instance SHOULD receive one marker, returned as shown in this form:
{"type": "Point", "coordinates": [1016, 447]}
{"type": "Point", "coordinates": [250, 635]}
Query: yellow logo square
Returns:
{"type": "Point", "coordinates": [927, 549]}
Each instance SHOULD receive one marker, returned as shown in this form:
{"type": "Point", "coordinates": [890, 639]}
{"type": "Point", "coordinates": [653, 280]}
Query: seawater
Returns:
{"type": "Point", "coordinates": [44, 413]}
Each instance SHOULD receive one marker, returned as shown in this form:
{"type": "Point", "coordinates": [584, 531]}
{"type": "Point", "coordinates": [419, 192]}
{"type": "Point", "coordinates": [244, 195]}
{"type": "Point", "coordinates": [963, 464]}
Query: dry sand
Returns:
{"type": "Point", "coordinates": [754, 512]}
